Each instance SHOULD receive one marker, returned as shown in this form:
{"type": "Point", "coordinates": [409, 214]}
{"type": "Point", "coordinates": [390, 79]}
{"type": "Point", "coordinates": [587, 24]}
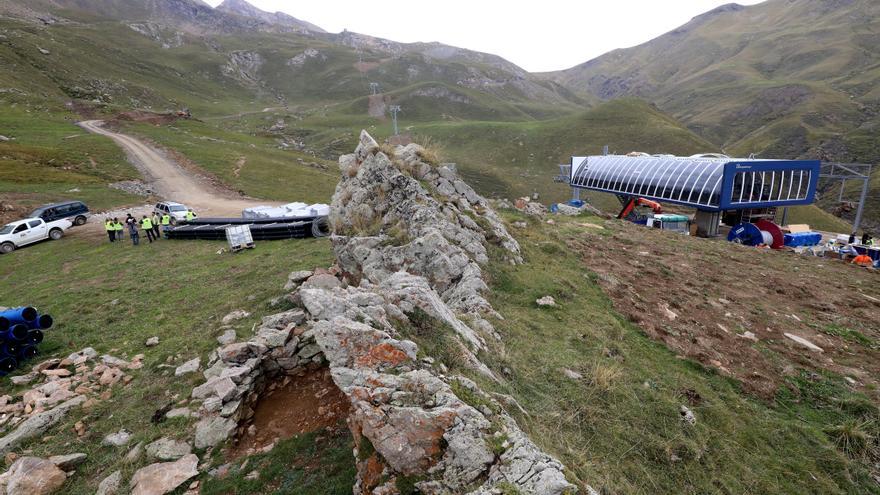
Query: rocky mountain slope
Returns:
{"type": "Point", "coordinates": [269, 57]}
{"type": "Point", "coordinates": [780, 78]}
{"type": "Point", "coordinates": [244, 9]}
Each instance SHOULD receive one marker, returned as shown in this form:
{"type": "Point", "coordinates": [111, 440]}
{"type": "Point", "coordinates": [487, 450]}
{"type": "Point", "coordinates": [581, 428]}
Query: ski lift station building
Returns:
{"type": "Point", "coordinates": [713, 184]}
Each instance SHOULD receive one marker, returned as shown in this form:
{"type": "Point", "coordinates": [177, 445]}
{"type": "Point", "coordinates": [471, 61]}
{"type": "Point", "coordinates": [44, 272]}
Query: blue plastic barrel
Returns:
{"type": "Point", "coordinates": [27, 352]}
{"type": "Point", "coordinates": [10, 317]}
{"type": "Point", "coordinates": [7, 365]}
{"type": "Point", "coordinates": [43, 322]}
{"type": "Point", "coordinates": [35, 336]}
{"type": "Point", "coordinates": [9, 349]}
{"type": "Point", "coordinates": [16, 333]}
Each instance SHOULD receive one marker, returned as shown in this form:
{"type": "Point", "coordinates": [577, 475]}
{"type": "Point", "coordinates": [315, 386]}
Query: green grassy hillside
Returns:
{"type": "Point", "coordinates": [783, 79]}
{"type": "Point", "coordinates": [618, 429]}
{"type": "Point", "coordinates": [508, 159]}
{"type": "Point", "coordinates": [778, 78]}
{"type": "Point", "coordinates": [48, 159]}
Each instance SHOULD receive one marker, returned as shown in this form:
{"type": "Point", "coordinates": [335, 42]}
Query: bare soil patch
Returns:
{"type": "Point", "coordinates": [148, 117]}
{"type": "Point", "coordinates": [730, 307]}
{"type": "Point", "coordinates": [299, 405]}
{"type": "Point", "coordinates": [363, 67]}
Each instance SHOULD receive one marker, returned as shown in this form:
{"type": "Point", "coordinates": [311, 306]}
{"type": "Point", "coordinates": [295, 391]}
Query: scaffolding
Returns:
{"type": "Point", "coordinates": [844, 172]}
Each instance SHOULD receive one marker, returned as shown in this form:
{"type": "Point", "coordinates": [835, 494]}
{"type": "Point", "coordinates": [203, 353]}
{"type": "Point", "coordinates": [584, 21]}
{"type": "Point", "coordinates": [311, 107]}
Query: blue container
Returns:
{"type": "Point", "coordinates": [26, 352]}
{"type": "Point", "coordinates": [801, 239]}
{"type": "Point", "coordinates": [10, 317]}
{"type": "Point", "coordinates": [9, 349]}
{"type": "Point", "coordinates": [16, 333]}
{"type": "Point", "coordinates": [43, 322]}
{"type": "Point", "coordinates": [7, 365]}
{"type": "Point", "coordinates": [576, 203]}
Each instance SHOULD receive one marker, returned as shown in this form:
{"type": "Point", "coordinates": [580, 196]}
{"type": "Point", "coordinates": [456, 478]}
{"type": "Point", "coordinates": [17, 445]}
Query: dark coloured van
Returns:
{"type": "Point", "coordinates": [75, 211]}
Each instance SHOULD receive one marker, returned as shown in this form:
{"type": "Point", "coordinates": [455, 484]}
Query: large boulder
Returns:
{"type": "Point", "coordinates": [38, 424]}
{"type": "Point", "coordinates": [168, 449]}
{"type": "Point", "coordinates": [164, 477]}
{"type": "Point", "coordinates": [34, 476]}
{"type": "Point", "coordinates": [213, 430]}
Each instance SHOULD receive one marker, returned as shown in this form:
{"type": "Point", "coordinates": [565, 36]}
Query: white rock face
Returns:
{"type": "Point", "coordinates": [244, 66]}
{"type": "Point", "coordinates": [118, 439]}
{"type": "Point", "coordinates": [301, 59]}
{"type": "Point", "coordinates": [190, 366]}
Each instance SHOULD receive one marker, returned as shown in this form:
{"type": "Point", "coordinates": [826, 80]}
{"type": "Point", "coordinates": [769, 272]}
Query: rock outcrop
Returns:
{"type": "Point", "coordinates": [164, 477]}
{"type": "Point", "coordinates": [32, 476]}
{"type": "Point", "coordinates": [410, 239]}
{"type": "Point", "coordinates": [386, 223]}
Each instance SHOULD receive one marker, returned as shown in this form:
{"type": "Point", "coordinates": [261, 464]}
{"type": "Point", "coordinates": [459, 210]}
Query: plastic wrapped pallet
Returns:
{"type": "Point", "coordinates": [290, 210]}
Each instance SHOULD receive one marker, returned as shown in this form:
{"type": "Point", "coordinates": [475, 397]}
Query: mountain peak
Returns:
{"type": "Point", "coordinates": [244, 9]}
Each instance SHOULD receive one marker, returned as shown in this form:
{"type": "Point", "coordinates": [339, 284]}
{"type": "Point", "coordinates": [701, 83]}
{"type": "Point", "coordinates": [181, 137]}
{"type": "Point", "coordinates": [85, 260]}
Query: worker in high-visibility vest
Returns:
{"type": "Point", "coordinates": [119, 228]}
{"type": "Point", "coordinates": [190, 215]}
{"type": "Point", "coordinates": [155, 221]}
{"type": "Point", "coordinates": [111, 232]}
{"type": "Point", "coordinates": [147, 225]}
{"type": "Point", "coordinates": [166, 220]}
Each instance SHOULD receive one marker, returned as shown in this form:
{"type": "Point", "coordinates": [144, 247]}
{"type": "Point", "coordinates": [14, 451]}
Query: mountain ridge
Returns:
{"type": "Point", "coordinates": [245, 9]}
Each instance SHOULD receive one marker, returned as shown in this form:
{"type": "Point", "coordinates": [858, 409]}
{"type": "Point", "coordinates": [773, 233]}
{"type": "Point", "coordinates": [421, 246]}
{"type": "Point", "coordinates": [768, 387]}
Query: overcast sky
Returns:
{"type": "Point", "coordinates": [537, 35]}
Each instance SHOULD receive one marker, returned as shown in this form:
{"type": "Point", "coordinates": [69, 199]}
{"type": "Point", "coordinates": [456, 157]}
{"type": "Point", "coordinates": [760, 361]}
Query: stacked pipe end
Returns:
{"type": "Point", "coordinates": [21, 331]}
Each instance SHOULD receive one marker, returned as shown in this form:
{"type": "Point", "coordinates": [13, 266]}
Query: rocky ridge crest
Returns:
{"type": "Point", "coordinates": [410, 239]}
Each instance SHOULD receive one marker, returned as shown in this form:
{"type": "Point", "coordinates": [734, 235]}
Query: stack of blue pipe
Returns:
{"type": "Point", "coordinates": [801, 239]}
{"type": "Point", "coordinates": [21, 330]}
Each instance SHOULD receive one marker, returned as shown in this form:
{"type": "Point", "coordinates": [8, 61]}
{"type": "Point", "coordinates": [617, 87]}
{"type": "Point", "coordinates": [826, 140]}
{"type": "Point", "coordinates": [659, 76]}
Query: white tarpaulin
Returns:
{"type": "Point", "coordinates": [290, 210]}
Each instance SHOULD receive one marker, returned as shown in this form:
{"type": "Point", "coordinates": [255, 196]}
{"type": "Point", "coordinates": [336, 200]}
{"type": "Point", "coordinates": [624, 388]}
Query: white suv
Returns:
{"type": "Point", "coordinates": [176, 211]}
{"type": "Point", "coordinates": [30, 230]}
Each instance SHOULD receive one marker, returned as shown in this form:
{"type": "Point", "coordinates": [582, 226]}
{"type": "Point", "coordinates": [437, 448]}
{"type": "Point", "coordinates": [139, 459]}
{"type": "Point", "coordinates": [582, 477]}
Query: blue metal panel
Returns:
{"type": "Point", "coordinates": [703, 183]}
{"type": "Point", "coordinates": [734, 167]}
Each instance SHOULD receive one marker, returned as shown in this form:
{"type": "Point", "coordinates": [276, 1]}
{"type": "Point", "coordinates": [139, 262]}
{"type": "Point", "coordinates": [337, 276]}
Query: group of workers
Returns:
{"type": "Point", "coordinates": [149, 224]}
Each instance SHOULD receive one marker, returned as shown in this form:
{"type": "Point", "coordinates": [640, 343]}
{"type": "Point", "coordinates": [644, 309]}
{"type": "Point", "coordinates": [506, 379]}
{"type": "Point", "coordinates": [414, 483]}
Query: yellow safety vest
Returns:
{"type": "Point", "coordinates": [109, 226]}
{"type": "Point", "coordinates": [190, 215]}
{"type": "Point", "coordinates": [166, 220]}
{"type": "Point", "coordinates": [117, 226]}
{"type": "Point", "coordinates": [155, 219]}
{"type": "Point", "coordinates": [146, 224]}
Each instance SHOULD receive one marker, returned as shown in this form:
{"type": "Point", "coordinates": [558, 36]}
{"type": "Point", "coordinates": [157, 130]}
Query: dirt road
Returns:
{"type": "Point", "coordinates": [171, 181]}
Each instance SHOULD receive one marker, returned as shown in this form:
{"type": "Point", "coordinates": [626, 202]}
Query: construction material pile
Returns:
{"type": "Point", "coordinates": [290, 210]}
{"type": "Point", "coordinates": [21, 330]}
{"type": "Point", "coordinates": [261, 229]}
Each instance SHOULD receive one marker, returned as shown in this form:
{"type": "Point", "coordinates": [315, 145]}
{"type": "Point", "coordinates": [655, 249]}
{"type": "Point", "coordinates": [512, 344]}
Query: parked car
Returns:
{"type": "Point", "coordinates": [30, 230]}
{"type": "Point", "coordinates": [177, 211]}
{"type": "Point", "coordinates": [75, 211]}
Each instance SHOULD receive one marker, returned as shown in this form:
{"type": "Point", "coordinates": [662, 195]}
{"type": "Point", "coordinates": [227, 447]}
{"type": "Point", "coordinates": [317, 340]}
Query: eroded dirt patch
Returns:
{"type": "Point", "coordinates": [730, 307]}
{"type": "Point", "coordinates": [299, 404]}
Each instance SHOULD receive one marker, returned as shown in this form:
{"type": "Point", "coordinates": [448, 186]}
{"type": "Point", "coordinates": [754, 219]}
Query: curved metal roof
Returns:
{"type": "Point", "coordinates": [694, 181]}
{"type": "Point", "coordinates": [705, 182]}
